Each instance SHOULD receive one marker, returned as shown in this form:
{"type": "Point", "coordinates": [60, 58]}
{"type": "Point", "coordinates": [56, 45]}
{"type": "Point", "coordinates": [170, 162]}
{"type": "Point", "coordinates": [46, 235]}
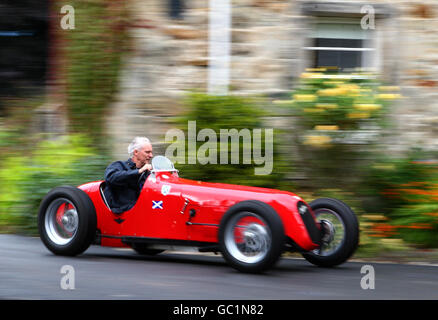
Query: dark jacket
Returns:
{"type": "Point", "coordinates": [123, 185]}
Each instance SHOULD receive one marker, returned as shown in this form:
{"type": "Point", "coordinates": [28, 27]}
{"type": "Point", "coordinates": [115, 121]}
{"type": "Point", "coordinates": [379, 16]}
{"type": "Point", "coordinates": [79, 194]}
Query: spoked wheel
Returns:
{"type": "Point", "coordinates": [61, 221]}
{"type": "Point", "coordinates": [247, 237]}
{"type": "Point", "coordinates": [67, 221]}
{"type": "Point", "coordinates": [340, 233]}
{"type": "Point", "coordinates": [251, 236]}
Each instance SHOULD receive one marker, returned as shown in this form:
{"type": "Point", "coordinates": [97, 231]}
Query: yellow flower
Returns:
{"type": "Point", "coordinates": [332, 92]}
{"type": "Point", "coordinates": [384, 166]}
{"type": "Point", "coordinates": [326, 105]}
{"type": "Point", "coordinates": [317, 141]}
{"type": "Point", "coordinates": [305, 97]}
{"type": "Point", "coordinates": [358, 115]}
{"type": "Point", "coordinates": [326, 92]}
{"type": "Point", "coordinates": [310, 75]}
{"type": "Point", "coordinates": [367, 107]}
{"type": "Point", "coordinates": [375, 217]}
{"type": "Point", "coordinates": [350, 86]}
{"type": "Point", "coordinates": [334, 82]}
{"type": "Point", "coordinates": [282, 101]}
{"type": "Point", "coordinates": [316, 69]}
{"type": "Point", "coordinates": [313, 110]}
{"type": "Point", "coordinates": [326, 128]}
{"type": "Point", "coordinates": [389, 96]}
{"type": "Point", "coordinates": [389, 88]}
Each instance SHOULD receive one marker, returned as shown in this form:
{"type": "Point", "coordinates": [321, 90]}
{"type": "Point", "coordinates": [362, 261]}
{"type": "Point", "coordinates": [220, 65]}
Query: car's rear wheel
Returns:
{"type": "Point", "coordinates": [251, 236]}
{"type": "Point", "coordinates": [67, 221]}
{"type": "Point", "coordinates": [340, 229]}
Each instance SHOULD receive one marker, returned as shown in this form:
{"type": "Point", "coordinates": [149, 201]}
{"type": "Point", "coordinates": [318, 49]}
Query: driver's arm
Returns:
{"type": "Point", "coordinates": [117, 175]}
{"type": "Point", "coordinates": [147, 166]}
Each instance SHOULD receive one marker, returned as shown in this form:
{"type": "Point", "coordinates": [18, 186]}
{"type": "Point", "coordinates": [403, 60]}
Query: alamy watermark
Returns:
{"type": "Point", "coordinates": [68, 280]}
{"type": "Point", "coordinates": [368, 281]}
{"type": "Point", "coordinates": [68, 20]}
{"type": "Point", "coordinates": [367, 21]}
{"type": "Point", "coordinates": [254, 150]}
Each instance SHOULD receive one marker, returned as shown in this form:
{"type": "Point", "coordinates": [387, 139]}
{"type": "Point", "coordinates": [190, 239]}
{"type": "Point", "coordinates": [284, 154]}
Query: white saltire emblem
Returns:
{"type": "Point", "coordinates": [157, 204]}
{"type": "Point", "coordinates": [165, 189]}
{"type": "Point", "coordinates": [302, 209]}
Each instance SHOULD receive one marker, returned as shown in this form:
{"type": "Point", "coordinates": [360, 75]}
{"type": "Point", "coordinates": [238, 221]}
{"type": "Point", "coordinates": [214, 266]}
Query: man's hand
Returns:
{"type": "Point", "coordinates": [147, 166]}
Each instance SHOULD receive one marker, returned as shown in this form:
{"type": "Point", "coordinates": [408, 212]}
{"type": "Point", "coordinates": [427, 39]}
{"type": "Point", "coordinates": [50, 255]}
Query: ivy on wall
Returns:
{"type": "Point", "coordinates": [94, 50]}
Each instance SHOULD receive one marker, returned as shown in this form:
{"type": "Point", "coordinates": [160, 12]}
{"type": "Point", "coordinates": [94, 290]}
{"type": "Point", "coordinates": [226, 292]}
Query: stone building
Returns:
{"type": "Point", "coordinates": [272, 43]}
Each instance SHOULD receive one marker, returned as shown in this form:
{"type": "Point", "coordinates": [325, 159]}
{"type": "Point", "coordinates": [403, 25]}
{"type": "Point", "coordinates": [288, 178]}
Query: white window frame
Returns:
{"type": "Point", "coordinates": [371, 43]}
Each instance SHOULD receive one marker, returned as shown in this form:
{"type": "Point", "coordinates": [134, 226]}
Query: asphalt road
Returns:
{"type": "Point", "coordinates": [29, 271]}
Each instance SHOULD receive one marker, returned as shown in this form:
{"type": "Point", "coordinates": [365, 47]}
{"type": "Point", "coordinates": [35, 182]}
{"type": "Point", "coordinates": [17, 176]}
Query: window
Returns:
{"type": "Point", "coordinates": [341, 43]}
{"type": "Point", "coordinates": [176, 8]}
{"type": "Point", "coordinates": [24, 46]}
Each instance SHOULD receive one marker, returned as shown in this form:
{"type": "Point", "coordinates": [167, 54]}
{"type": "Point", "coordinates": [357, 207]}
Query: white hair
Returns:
{"type": "Point", "coordinates": [136, 144]}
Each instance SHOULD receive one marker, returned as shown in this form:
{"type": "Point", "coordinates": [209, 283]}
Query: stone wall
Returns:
{"type": "Point", "coordinates": [417, 116]}
{"type": "Point", "coordinates": [170, 57]}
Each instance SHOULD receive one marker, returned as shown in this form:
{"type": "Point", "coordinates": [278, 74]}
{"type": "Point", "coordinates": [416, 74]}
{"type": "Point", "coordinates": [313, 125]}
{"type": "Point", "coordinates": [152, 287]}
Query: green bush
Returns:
{"type": "Point", "coordinates": [405, 190]}
{"type": "Point", "coordinates": [226, 113]}
{"type": "Point", "coordinates": [24, 181]}
{"type": "Point", "coordinates": [418, 224]}
{"type": "Point", "coordinates": [339, 102]}
{"type": "Point", "coordinates": [339, 119]}
{"type": "Point", "coordinates": [384, 179]}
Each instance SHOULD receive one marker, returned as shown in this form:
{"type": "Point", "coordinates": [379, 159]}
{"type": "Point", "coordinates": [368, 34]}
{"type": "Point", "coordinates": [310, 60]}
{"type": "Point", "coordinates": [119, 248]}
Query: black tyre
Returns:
{"type": "Point", "coordinates": [251, 236]}
{"type": "Point", "coordinates": [67, 221]}
{"type": "Point", "coordinates": [340, 232]}
{"type": "Point", "coordinates": [144, 249]}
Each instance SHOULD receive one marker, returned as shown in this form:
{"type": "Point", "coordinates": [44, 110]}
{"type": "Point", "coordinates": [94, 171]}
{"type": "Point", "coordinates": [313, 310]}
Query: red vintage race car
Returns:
{"type": "Point", "coordinates": [250, 226]}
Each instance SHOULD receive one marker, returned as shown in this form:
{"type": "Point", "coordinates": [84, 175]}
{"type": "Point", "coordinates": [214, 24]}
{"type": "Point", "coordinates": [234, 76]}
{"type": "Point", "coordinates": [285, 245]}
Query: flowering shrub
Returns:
{"type": "Point", "coordinates": [341, 108]}
{"type": "Point", "coordinates": [406, 191]}
{"type": "Point", "coordinates": [417, 221]}
{"type": "Point", "coordinates": [338, 117]}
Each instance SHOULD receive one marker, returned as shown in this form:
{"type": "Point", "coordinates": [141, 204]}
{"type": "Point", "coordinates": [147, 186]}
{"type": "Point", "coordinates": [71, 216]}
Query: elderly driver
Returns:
{"type": "Point", "coordinates": [125, 179]}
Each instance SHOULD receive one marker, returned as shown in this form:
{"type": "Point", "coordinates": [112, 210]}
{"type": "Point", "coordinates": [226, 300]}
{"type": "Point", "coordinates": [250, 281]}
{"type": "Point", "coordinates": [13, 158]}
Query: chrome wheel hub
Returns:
{"type": "Point", "coordinates": [255, 237]}
{"type": "Point", "coordinates": [61, 221]}
{"type": "Point", "coordinates": [329, 231]}
{"type": "Point", "coordinates": [247, 237]}
{"type": "Point", "coordinates": [333, 231]}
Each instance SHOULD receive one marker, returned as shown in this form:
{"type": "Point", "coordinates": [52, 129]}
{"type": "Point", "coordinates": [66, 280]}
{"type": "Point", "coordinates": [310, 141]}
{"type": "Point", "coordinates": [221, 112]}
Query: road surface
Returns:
{"type": "Point", "coordinates": [29, 271]}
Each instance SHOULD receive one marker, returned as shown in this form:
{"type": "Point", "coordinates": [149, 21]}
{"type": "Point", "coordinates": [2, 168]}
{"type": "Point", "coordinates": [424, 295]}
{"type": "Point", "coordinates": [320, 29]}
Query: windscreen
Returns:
{"type": "Point", "coordinates": [161, 163]}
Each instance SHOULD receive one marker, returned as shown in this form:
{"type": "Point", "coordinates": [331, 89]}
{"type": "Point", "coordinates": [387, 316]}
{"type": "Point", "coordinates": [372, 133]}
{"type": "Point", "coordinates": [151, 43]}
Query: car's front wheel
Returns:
{"type": "Point", "coordinates": [67, 221]}
{"type": "Point", "coordinates": [340, 232]}
{"type": "Point", "coordinates": [251, 236]}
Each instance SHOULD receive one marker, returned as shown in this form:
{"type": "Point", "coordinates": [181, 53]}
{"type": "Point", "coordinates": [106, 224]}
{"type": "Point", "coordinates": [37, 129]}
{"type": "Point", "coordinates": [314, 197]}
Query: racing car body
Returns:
{"type": "Point", "coordinates": [250, 226]}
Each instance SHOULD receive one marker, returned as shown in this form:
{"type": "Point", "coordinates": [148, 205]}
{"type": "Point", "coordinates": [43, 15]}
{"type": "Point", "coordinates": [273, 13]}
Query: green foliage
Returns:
{"type": "Point", "coordinates": [418, 224]}
{"type": "Point", "coordinates": [24, 181]}
{"type": "Point", "coordinates": [340, 102]}
{"type": "Point", "coordinates": [405, 190]}
{"type": "Point", "coordinates": [5, 137]}
{"type": "Point", "coordinates": [226, 113]}
{"type": "Point", "coordinates": [384, 179]}
{"type": "Point", "coordinates": [94, 51]}
{"type": "Point", "coordinates": [339, 119]}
